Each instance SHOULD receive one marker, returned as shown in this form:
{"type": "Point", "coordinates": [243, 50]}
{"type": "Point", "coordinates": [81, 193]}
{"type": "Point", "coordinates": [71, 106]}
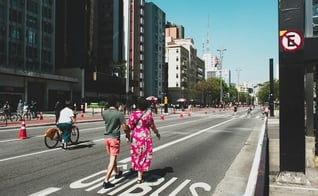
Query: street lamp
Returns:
{"type": "Point", "coordinates": [221, 51]}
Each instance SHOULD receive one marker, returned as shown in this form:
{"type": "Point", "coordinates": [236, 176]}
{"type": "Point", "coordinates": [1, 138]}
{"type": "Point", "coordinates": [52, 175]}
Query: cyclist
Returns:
{"type": "Point", "coordinates": [20, 109]}
{"type": "Point", "coordinates": [7, 108]}
{"type": "Point", "coordinates": [65, 122]}
{"type": "Point", "coordinates": [26, 109]}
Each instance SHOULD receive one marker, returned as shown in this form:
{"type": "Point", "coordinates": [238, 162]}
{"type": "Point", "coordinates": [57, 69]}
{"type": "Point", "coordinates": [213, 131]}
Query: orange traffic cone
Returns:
{"type": "Point", "coordinates": [22, 134]}
{"type": "Point", "coordinates": [162, 117]}
{"type": "Point", "coordinates": [41, 116]}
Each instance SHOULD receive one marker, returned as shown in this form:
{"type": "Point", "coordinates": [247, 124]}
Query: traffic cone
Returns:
{"type": "Point", "coordinates": [22, 134]}
{"type": "Point", "coordinates": [41, 116]}
{"type": "Point", "coordinates": [82, 115]}
{"type": "Point", "coordinates": [162, 117]}
{"type": "Point", "coordinates": [181, 115]}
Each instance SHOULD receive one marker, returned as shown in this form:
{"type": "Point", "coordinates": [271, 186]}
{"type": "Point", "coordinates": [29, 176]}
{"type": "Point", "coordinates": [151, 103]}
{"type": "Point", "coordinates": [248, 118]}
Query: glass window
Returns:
{"type": "Point", "coordinates": [315, 17]}
{"type": "Point", "coordinates": [31, 37]}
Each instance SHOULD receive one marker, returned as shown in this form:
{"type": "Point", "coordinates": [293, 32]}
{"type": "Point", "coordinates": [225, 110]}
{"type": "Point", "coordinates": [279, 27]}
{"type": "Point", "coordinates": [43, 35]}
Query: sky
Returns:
{"type": "Point", "coordinates": [247, 29]}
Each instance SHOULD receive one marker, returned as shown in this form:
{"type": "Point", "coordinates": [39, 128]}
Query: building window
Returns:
{"type": "Point", "coordinates": [31, 37]}
{"type": "Point", "coordinates": [15, 33]}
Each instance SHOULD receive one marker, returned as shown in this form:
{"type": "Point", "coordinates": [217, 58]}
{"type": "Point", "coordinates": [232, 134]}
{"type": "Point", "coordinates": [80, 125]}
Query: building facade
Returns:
{"type": "Point", "coordinates": [27, 52]}
{"type": "Point", "coordinates": [155, 67]}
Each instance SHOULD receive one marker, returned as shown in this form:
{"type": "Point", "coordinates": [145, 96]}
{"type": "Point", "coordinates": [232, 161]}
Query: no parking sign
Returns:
{"type": "Point", "coordinates": [291, 40]}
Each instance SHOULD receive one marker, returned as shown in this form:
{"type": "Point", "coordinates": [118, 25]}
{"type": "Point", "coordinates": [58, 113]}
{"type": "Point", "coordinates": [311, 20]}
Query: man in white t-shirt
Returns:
{"type": "Point", "coordinates": [65, 123]}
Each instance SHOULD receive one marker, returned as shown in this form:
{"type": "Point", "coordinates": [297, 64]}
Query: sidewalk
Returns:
{"type": "Point", "coordinates": [277, 188]}
{"type": "Point", "coordinates": [49, 119]}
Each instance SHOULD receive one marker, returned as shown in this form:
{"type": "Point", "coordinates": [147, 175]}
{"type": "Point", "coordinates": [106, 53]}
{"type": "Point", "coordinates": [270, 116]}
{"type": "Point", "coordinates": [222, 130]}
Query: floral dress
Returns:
{"type": "Point", "coordinates": [141, 141]}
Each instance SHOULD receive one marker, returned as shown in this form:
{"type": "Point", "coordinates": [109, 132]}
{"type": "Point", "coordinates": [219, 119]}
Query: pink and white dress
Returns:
{"type": "Point", "coordinates": [141, 141]}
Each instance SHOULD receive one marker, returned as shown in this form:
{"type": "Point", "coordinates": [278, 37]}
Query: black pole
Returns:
{"type": "Point", "coordinates": [271, 87]}
{"type": "Point", "coordinates": [291, 85]}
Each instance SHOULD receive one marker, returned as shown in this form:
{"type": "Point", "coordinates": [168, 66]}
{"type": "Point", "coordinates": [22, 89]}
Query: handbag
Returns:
{"type": "Point", "coordinates": [135, 124]}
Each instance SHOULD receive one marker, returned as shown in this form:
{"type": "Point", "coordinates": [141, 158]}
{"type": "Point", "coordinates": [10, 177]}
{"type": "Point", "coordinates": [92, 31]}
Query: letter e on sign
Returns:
{"type": "Point", "coordinates": [291, 41]}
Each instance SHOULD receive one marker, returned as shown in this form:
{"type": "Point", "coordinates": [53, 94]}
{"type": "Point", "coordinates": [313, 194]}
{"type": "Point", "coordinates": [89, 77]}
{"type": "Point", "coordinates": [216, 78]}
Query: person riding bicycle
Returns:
{"type": "Point", "coordinates": [7, 108]}
{"type": "Point", "coordinates": [65, 123]}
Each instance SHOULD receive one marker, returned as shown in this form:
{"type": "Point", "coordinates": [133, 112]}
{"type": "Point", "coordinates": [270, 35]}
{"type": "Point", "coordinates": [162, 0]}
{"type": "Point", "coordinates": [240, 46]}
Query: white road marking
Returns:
{"type": "Point", "coordinates": [46, 191]}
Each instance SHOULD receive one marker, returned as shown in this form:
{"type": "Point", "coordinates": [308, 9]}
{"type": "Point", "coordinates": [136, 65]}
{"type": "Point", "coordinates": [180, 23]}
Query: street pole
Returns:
{"type": "Point", "coordinates": [221, 86]}
{"type": "Point", "coordinates": [238, 85]}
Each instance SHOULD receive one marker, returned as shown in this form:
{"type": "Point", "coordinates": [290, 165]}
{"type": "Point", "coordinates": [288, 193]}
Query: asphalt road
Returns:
{"type": "Point", "coordinates": [191, 158]}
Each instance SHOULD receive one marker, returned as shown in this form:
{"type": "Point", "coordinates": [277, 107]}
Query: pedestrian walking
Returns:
{"type": "Point", "coordinates": [6, 108]}
{"type": "Point", "coordinates": [141, 123]}
{"type": "Point", "coordinates": [20, 109]}
{"type": "Point", "coordinates": [65, 123]}
{"type": "Point", "coordinates": [34, 109]}
{"type": "Point", "coordinates": [114, 122]}
{"type": "Point", "coordinates": [57, 109]}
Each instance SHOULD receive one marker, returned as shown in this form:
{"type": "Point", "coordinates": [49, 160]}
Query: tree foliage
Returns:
{"type": "Point", "coordinates": [263, 93]}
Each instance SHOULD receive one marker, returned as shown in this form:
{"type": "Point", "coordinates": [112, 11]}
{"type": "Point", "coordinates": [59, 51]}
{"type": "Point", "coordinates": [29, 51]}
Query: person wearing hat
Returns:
{"type": "Point", "coordinates": [65, 123]}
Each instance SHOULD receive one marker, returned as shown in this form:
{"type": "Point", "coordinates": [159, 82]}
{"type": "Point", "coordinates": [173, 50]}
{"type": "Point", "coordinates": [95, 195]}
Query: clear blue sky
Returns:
{"type": "Point", "coordinates": [247, 29]}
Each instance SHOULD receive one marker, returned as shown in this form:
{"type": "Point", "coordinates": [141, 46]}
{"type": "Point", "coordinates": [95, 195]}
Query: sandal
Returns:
{"type": "Point", "coordinates": [139, 181]}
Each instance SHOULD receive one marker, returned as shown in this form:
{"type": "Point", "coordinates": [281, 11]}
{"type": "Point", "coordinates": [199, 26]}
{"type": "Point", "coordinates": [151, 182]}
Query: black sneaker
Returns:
{"type": "Point", "coordinates": [107, 185]}
{"type": "Point", "coordinates": [120, 173]}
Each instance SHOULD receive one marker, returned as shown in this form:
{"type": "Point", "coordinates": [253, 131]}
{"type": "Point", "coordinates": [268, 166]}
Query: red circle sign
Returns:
{"type": "Point", "coordinates": [291, 40]}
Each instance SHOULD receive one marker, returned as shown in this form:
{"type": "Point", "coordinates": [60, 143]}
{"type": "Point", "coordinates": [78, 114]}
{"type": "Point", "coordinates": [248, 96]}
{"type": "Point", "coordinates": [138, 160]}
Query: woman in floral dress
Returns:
{"type": "Point", "coordinates": [140, 123]}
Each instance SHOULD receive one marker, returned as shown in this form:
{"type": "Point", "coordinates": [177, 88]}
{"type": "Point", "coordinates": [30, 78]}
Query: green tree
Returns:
{"type": "Point", "coordinates": [120, 68]}
{"type": "Point", "coordinates": [209, 90]}
{"type": "Point", "coordinates": [263, 92]}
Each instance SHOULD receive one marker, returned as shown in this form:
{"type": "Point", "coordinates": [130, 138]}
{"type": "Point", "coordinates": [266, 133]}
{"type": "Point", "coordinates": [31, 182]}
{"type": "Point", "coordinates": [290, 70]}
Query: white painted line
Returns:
{"type": "Point", "coordinates": [250, 187]}
{"type": "Point", "coordinates": [126, 160]}
{"type": "Point", "coordinates": [294, 188]}
{"type": "Point", "coordinates": [46, 191]}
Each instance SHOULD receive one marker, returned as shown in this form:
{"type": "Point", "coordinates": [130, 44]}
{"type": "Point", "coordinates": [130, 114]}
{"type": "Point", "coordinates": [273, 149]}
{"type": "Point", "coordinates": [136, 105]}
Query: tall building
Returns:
{"type": "Point", "coordinates": [55, 50]}
{"type": "Point", "coordinates": [27, 52]}
{"type": "Point", "coordinates": [89, 47]}
{"type": "Point", "coordinates": [175, 31]}
{"type": "Point", "coordinates": [155, 68]}
{"type": "Point", "coordinates": [135, 46]}
{"type": "Point", "coordinates": [185, 69]}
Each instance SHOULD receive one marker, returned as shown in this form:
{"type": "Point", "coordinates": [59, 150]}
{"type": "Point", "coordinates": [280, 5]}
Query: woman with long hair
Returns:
{"type": "Point", "coordinates": [141, 123]}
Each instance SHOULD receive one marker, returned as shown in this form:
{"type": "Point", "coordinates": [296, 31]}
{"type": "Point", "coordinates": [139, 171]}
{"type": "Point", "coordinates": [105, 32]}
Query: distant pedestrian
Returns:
{"type": "Point", "coordinates": [25, 109]}
{"type": "Point", "coordinates": [33, 109]}
{"type": "Point", "coordinates": [114, 122]}
{"type": "Point", "coordinates": [57, 108]}
{"type": "Point", "coordinates": [20, 109]}
{"type": "Point", "coordinates": [140, 123]}
{"type": "Point", "coordinates": [7, 108]}
{"type": "Point", "coordinates": [266, 110]}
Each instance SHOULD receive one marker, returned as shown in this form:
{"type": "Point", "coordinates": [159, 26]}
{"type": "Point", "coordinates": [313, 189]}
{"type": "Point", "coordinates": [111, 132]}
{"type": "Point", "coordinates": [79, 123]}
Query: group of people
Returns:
{"type": "Point", "coordinates": [137, 129]}
{"type": "Point", "coordinates": [22, 108]}
{"type": "Point", "coordinates": [138, 133]}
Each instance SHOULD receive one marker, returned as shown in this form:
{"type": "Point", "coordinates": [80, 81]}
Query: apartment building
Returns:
{"type": "Point", "coordinates": [155, 69]}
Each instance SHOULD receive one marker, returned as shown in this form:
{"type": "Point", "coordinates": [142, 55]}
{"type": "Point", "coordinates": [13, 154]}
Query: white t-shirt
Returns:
{"type": "Point", "coordinates": [65, 115]}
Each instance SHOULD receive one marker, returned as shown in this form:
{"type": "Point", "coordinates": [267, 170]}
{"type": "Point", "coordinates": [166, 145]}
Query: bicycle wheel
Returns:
{"type": "Point", "coordinates": [27, 116]}
{"type": "Point", "coordinates": [3, 119]}
{"type": "Point", "coordinates": [51, 137]}
{"type": "Point", "coordinates": [14, 117]}
{"type": "Point", "coordinates": [74, 135]}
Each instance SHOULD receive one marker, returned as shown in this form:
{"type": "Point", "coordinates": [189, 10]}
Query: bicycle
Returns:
{"type": "Point", "coordinates": [53, 136]}
{"type": "Point", "coordinates": [3, 118]}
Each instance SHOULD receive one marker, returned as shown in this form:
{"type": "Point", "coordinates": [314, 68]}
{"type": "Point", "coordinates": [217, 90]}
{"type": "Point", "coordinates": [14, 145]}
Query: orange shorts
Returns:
{"type": "Point", "coordinates": [112, 146]}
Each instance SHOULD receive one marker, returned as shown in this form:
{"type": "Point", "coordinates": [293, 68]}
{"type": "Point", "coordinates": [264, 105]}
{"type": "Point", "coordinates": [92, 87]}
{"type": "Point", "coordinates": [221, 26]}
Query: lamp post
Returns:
{"type": "Point", "coordinates": [221, 51]}
{"type": "Point", "coordinates": [238, 85]}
